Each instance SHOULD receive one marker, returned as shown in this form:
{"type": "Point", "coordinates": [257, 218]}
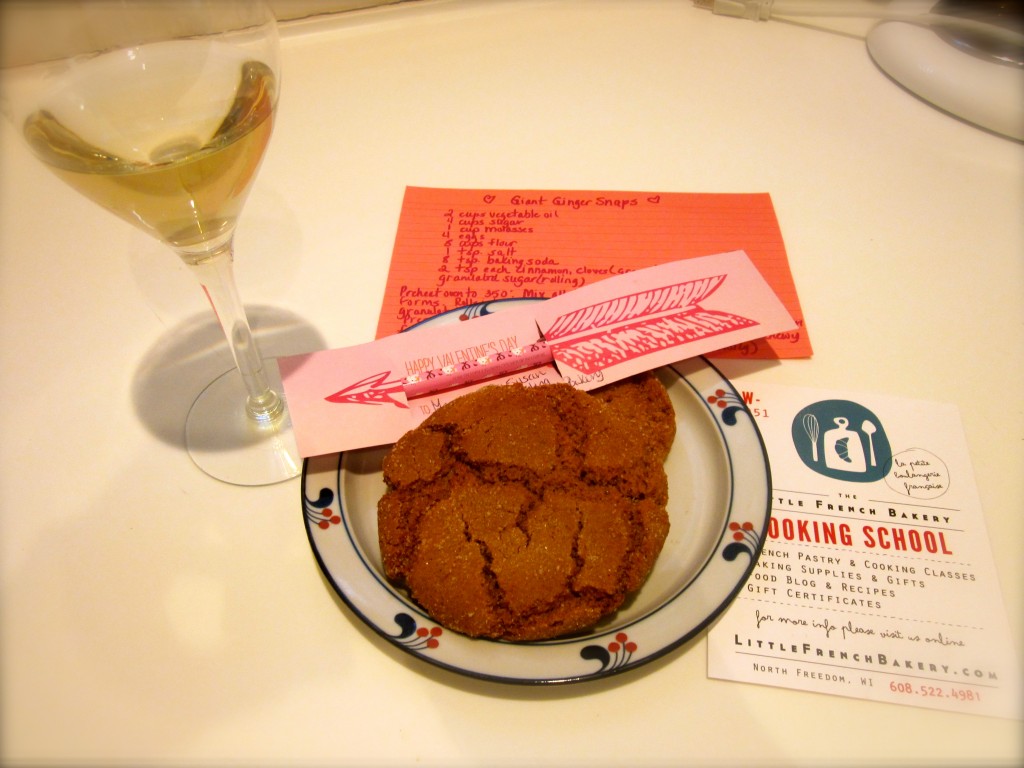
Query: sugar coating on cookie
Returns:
{"type": "Point", "coordinates": [526, 513]}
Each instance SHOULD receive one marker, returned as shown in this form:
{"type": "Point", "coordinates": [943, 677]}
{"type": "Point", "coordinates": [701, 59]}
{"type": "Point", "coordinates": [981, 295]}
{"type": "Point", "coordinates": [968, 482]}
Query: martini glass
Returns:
{"type": "Point", "coordinates": [160, 111]}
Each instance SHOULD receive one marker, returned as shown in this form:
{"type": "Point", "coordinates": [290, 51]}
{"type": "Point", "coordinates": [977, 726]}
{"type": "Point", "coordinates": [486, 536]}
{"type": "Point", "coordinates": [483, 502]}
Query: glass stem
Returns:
{"type": "Point", "coordinates": [217, 277]}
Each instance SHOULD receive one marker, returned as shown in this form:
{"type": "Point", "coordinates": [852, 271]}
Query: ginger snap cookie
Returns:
{"type": "Point", "coordinates": [526, 513]}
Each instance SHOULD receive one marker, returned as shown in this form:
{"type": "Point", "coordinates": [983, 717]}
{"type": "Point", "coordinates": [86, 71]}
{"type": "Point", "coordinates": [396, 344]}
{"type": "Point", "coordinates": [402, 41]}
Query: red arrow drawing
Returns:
{"type": "Point", "coordinates": [373, 390]}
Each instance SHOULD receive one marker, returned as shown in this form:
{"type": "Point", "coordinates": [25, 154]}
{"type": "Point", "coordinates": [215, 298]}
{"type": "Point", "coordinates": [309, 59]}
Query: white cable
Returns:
{"type": "Point", "coordinates": [911, 11]}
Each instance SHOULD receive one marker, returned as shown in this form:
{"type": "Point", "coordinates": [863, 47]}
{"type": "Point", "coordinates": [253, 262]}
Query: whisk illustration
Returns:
{"type": "Point", "coordinates": [811, 428]}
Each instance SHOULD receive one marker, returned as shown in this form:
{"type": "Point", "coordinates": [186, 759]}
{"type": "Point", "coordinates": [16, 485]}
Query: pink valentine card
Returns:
{"type": "Point", "coordinates": [371, 394]}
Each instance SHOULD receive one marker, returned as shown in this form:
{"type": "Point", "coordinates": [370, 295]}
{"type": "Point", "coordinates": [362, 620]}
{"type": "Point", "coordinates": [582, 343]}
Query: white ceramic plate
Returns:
{"type": "Point", "coordinates": [719, 501]}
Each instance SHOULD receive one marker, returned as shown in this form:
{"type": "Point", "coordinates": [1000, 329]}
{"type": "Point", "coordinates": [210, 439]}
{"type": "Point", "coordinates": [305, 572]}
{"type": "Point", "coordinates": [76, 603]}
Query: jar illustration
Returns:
{"type": "Point", "coordinates": [842, 448]}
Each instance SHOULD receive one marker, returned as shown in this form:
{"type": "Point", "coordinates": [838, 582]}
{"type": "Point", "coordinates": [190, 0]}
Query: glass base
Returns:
{"type": "Point", "coordinates": [227, 444]}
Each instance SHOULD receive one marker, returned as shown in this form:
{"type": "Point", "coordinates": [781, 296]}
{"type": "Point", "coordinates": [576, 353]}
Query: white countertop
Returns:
{"type": "Point", "coordinates": [151, 614]}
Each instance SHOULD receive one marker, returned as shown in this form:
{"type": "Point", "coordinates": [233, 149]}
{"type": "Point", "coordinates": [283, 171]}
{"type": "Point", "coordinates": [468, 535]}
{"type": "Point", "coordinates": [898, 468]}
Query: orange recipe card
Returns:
{"type": "Point", "coordinates": [460, 247]}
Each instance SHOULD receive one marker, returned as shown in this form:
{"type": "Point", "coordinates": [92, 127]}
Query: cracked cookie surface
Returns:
{"type": "Point", "coordinates": [522, 513]}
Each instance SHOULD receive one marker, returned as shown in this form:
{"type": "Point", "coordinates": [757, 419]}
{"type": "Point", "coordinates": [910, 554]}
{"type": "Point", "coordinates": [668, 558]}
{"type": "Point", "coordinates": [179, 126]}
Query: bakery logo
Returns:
{"type": "Point", "coordinates": [842, 439]}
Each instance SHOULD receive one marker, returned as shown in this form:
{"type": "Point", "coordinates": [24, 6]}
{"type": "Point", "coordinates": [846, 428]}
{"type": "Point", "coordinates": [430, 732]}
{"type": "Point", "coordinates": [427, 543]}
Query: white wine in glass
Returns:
{"type": "Point", "coordinates": [160, 111]}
